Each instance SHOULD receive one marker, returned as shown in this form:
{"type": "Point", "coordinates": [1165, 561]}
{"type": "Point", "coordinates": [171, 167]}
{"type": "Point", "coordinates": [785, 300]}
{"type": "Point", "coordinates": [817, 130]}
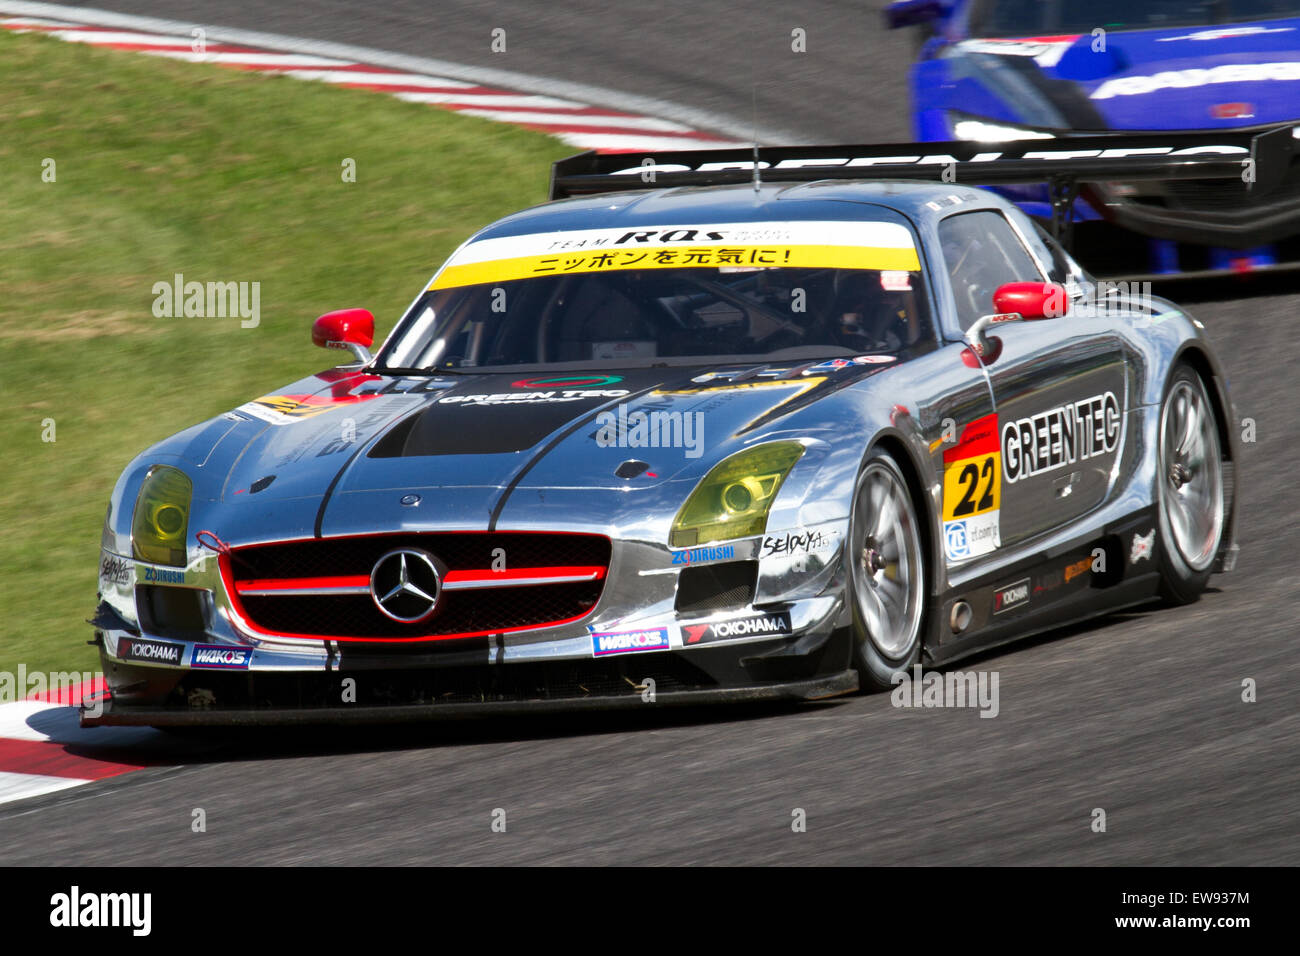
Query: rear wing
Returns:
{"type": "Point", "coordinates": [1259, 159]}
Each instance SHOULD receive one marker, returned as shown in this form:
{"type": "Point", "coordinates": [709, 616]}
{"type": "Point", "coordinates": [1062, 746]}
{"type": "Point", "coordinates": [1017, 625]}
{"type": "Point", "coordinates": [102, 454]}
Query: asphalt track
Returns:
{"type": "Point", "coordinates": [1140, 714]}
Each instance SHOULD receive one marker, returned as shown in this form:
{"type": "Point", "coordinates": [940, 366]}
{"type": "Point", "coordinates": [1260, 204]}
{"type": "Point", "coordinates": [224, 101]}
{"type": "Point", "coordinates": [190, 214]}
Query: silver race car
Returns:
{"type": "Point", "coordinates": [692, 432]}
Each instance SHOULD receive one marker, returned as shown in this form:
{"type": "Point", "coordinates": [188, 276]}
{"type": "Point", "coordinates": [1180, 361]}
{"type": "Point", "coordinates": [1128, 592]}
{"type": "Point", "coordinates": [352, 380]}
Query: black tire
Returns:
{"type": "Point", "coordinates": [886, 573]}
{"type": "Point", "coordinates": [1190, 501]}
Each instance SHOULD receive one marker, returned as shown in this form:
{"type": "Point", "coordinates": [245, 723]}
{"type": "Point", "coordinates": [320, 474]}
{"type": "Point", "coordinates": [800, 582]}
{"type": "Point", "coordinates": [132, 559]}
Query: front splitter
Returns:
{"type": "Point", "coordinates": [117, 715]}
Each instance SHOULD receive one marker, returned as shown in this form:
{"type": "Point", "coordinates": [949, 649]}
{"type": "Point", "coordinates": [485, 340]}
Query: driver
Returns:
{"type": "Point", "coordinates": [867, 318]}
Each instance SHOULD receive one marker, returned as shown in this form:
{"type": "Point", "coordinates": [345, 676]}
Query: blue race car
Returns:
{"type": "Point", "coordinates": [1000, 70]}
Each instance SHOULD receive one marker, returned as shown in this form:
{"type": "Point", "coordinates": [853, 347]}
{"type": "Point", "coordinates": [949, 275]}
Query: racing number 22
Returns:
{"type": "Point", "coordinates": [971, 476]}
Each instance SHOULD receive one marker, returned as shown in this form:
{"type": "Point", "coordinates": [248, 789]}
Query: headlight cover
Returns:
{"type": "Point", "coordinates": [162, 517]}
{"type": "Point", "coordinates": [734, 498]}
{"type": "Point", "coordinates": [980, 130]}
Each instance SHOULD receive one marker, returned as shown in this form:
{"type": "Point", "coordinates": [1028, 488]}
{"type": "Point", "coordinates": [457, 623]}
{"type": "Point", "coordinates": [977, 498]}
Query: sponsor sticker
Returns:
{"type": "Point", "coordinates": [605, 643]}
{"type": "Point", "coordinates": [221, 657]}
{"type": "Point", "coordinates": [567, 381]}
{"type": "Point", "coordinates": [1049, 582]}
{"type": "Point", "coordinates": [533, 398]}
{"type": "Point", "coordinates": [163, 576]}
{"type": "Point", "coordinates": [703, 555]}
{"type": "Point", "coordinates": [802, 541]}
{"type": "Point", "coordinates": [1012, 596]}
{"type": "Point", "coordinates": [1142, 545]}
{"type": "Point", "coordinates": [1046, 51]}
{"type": "Point", "coordinates": [754, 625]}
{"type": "Point", "coordinates": [972, 491]}
{"type": "Point", "coordinates": [1060, 436]}
{"type": "Point", "coordinates": [114, 570]}
{"type": "Point", "coordinates": [150, 652]}
{"type": "Point", "coordinates": [727, 246]}
{"type": "Point", "coordinates": [287, 409]}
{"type": "Point", "coordinates": [1082, 566]}
{"type": "Point", "coordinates": [831, 365]}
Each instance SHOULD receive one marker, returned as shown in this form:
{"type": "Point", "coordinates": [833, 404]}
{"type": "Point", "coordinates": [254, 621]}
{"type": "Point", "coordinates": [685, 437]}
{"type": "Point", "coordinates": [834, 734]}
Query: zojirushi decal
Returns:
{"type": "Point", "coordinates": [1060, 436]}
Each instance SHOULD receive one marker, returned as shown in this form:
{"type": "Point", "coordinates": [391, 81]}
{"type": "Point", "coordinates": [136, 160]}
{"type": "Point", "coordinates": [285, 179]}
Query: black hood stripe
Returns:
{"type": "Point", "coordinates": [560, 436]}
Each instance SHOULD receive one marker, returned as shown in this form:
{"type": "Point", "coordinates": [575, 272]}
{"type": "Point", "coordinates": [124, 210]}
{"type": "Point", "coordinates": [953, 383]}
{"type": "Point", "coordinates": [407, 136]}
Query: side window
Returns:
{"type": "Point", "coordinates": [981, 252]}
{"type": "Point", "coordinates": [1064, 269]}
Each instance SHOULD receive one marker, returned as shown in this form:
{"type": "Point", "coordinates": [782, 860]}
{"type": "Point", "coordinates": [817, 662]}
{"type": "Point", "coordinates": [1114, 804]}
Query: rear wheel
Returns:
{"type": "Point", "coordinates": [1190, 488]}
{"type": "Point", "coordinates": [886, 579]}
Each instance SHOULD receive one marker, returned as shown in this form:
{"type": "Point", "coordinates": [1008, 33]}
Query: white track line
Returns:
{"type": "Point", "coordinates": [21, 786]}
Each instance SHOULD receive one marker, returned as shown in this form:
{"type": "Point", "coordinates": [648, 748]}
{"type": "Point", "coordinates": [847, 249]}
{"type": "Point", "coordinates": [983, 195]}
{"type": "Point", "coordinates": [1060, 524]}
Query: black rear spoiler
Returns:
{"type": "Point", "coordinates": [1261, 159]}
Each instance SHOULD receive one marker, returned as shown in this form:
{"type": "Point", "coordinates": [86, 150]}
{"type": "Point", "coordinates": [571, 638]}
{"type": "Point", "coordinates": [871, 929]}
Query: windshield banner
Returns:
{"type": "Point", "coordinates": [730, 246]}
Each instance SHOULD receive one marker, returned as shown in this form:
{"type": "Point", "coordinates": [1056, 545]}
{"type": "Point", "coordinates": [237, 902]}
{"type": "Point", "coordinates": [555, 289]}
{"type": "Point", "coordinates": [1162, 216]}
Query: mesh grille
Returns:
{"type": "Point", "coordinates": [487, 610]}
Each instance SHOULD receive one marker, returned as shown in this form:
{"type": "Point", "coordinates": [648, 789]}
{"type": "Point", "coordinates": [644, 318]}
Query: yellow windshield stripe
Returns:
{"type": "Point", "coordinates": [685, 257]}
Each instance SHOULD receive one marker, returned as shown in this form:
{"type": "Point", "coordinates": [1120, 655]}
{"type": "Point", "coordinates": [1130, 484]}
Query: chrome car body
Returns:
{"type": "Point", "coordinates": [285, 486]}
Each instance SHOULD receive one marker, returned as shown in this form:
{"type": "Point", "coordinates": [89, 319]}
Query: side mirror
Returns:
{"type": "Point", "coordinates": [350, 329]}
{"type": "Point", "coordinates": [906, 13]}
{"type": "Point", "coordinates": [1032, 300]}
{"type": "Point", "coordinates": [1016, 302]}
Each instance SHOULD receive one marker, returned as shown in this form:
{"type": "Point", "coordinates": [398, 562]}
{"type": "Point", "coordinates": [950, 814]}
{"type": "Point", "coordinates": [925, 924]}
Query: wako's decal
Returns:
{"type": "Point", "coordinates": [728, 246]}
{"type": "Point", "coordinates": [972, 491]}
{"type": "Point", "coordinates": [1060, 436]}
{"type": "Point", "coordinates": [221, 657]}
{"type": "Point", "coordinates": [604, 643]}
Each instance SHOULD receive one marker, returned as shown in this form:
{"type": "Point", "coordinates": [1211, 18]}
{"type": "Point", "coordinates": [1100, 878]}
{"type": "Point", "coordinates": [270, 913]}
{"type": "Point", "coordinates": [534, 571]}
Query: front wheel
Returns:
{"type": "Point", "coordinates": [886, 579]}
{"type": "Point", "coordinates": [1190, 488]}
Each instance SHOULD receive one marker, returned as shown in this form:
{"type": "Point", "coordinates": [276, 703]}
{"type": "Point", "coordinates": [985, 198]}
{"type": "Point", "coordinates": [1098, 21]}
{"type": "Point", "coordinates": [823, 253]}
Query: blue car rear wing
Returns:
{"type": "Point", "coordinates": [1259, 159]}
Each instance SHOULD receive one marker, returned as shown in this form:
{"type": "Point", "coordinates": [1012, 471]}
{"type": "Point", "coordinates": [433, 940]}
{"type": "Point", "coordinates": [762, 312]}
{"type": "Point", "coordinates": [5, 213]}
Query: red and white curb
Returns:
{"type": "Point", "coordinates": [43, 748]}
{"type": "Point", "coordinates": [577, 123]}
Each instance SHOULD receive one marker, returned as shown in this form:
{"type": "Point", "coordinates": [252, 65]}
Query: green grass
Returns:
{"type": "Point", "coordinates": [221, 175]}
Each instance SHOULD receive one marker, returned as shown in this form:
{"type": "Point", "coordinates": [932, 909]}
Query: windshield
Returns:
{"type": "Point", "coordinates": [693, 302]}
{"type": "Point", "coordinates": [1027, 18]}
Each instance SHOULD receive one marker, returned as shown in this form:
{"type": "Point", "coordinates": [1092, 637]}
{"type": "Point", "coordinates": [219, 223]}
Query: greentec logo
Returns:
{"type": "Point", "coordinates": [568, 381]}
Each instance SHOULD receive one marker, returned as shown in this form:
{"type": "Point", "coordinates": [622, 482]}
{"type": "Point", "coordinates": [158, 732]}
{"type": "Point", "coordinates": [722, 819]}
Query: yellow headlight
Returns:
{"type": "Point", "coordinates": [733, 499]}
{"type": "Point", "coordinates": [162, 517]}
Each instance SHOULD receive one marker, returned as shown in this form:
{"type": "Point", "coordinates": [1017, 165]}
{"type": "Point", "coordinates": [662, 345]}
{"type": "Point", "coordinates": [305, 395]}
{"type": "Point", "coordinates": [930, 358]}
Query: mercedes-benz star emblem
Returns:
{"type": "Point", "coordinates": [406, 584]}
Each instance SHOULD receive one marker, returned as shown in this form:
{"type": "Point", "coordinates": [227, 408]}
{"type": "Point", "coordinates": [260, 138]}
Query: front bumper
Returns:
{"type": "Point", "coordinates": [166, 665]}
{"type": "Point", "coordinates": [806, 667]}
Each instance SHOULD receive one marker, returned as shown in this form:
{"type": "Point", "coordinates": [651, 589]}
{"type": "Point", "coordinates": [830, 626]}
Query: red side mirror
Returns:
{"type": "Point", "coordinates": [1032, 300]}
{"type": "Point", "coordinates": [350, 329]}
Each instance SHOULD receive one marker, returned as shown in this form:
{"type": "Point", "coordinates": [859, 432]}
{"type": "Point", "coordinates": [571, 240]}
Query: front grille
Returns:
{"type": "Point", "coordinates": [461, 613]}
{"type": "Point", "coordinates": [458, 551]}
